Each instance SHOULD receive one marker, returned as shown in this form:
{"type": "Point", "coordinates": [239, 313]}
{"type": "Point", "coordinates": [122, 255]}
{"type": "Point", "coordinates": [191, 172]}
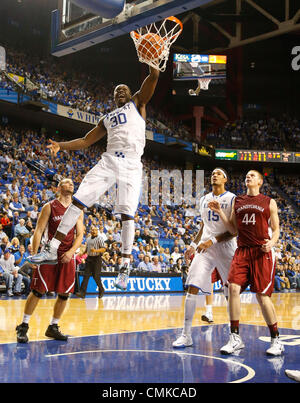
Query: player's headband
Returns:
{"type": "Point", "coordinates": [221, 170]}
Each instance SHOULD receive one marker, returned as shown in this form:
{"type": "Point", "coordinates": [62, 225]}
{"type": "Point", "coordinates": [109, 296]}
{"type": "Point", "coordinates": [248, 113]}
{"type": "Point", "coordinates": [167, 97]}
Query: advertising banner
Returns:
{"type": "Point", "coordinates": [138, 284]}
{"type": "Point", "coordinates": [76, 114]}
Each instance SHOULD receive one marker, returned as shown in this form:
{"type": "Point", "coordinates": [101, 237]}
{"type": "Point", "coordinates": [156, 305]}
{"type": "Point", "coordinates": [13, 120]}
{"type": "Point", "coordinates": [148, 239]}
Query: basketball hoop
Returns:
{"type": "Point", "coordinates": [204, 83]}
{"type": "Point", "coordinates": [153, 41]}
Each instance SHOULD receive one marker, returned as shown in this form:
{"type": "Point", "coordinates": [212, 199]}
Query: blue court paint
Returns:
{"type": "Point", "coordinates": [148, 356]}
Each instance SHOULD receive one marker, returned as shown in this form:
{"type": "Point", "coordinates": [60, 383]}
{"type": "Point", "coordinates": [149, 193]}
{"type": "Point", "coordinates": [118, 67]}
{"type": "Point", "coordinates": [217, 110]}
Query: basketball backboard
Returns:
{"type": "Point", "coordinates": [74, 29]}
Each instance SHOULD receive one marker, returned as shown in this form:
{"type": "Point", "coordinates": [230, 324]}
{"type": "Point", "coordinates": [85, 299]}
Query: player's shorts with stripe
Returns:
{"type": "Point", "coordinates": [218, 256]}
{"type": "Point", "coordinates": [251, 266]}
{"type": "Point", "coordinates": [110, 170]}
{"type": "Point", "coordinates": [59, 278]}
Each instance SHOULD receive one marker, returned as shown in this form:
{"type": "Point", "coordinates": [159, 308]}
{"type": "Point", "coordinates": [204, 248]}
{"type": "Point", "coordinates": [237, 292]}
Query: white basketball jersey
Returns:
{"type": "Point", "coordinates": [213, 225]}
{"type": "Point", "coordinates": [126, 130]}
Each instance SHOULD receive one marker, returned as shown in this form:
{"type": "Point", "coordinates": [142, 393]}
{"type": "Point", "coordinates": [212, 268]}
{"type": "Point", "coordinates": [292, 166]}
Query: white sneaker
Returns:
{"type": "Point", "coordinates": [235, 343]}
{"type": "Point", "coordinates": [46, 256]}
{"type": "Point", "coordinates": [276, 348]}
{"type": "Point", "coordinates": [123, 278]}
{"type": "Point", "coordinates": [183, 341]}
{"type": "Point", "coordinates": [293, 374]}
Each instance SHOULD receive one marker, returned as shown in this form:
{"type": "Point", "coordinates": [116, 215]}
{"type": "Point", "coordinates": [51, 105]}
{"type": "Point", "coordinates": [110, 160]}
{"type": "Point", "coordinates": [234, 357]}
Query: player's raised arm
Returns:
{"type": "Point", "coordinates": [143, 96]}
{"type": "Point", "coordinates": [274, 222]}
{"type": "Point", "coordinates": [94, 135]}
{"type": "Point", "coordinates": [229, 223]}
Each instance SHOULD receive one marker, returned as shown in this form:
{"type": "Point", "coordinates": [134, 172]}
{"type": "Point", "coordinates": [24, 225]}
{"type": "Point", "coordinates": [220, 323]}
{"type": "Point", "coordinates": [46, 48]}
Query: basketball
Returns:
{"type": "Point", "coordinates": [151, 46]}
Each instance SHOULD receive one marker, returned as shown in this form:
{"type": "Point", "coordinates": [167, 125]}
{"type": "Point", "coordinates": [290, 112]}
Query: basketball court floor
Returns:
{"type": "Point", "coordinates": [128, 339]}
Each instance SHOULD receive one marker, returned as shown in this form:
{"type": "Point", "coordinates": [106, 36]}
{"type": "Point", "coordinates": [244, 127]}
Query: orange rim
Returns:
{"type": "Point", "coordinates": [172, 18]}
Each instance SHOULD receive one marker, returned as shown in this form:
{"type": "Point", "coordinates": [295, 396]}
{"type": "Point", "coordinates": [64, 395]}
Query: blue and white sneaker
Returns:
{"type": "Point", "coordinates": [46, 256]}
{"type": "Point", "coordinates": [183, 341]}
{"type": "Point", "coordinates": [122, 279]}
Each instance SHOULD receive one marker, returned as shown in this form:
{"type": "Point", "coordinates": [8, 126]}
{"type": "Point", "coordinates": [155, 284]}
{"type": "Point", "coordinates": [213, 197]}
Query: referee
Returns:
{"type": "Point", "coordinates": [94, 247]}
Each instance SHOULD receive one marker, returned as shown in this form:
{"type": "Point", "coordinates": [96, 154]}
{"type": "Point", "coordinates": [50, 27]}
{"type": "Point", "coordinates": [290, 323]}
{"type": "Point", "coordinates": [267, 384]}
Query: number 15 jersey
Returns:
{"type": "Point", "coordinates": [213, 225]}
{"type": "Point", "coordinates": [253, 219]}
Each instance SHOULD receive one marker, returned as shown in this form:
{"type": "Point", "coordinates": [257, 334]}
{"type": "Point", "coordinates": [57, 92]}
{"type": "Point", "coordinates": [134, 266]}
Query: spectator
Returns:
{"type": "Point", "coordinates": [156, 266]}
{"type": "Point", "coordinates": [15, 204]}
{"type": "Point", "coordinates": [21, 232]}
{"type": "Point", "coordinates": [10, 274]}
{"type": "Point", "coordinates": [145, 264]}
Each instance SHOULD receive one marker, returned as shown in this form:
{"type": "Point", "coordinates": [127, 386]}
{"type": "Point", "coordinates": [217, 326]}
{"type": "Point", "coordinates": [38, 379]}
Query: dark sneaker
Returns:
{"type": "Point", "coordinates": [207, 318]}
{"type": "Point", "coordinates": [79, 295]}
{"type": "Point", "coordinates": [54, 332]}
{"type": "Point", "coordinates": [22, 330]}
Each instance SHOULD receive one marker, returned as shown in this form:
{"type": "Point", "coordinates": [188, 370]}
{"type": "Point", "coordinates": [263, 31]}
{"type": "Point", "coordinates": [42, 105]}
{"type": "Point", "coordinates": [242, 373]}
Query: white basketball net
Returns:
{"type": "Point", "coordinates": [204, 83]}
{"type": "Point", "coordinates": [154, 49]}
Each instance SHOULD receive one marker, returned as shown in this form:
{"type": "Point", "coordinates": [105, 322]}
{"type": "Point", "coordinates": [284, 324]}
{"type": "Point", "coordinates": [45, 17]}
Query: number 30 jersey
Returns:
{"type": "Point", "coordinates": [253, 219]}
{"type": "Point", "coordinates": [126, 131]}
{"type": "Point", "coordinates": [213, 225]}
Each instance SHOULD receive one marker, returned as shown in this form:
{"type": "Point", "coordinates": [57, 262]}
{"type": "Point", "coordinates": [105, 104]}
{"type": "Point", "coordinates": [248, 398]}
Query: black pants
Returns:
{"type": "Point", "coordinates": [92, 268]}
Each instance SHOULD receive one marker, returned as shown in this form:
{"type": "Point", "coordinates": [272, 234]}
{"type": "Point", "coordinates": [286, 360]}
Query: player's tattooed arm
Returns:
{"type": "Point", "coordinates": [230, 223]}
{"type": "Point", "coordinates": [226, 236]}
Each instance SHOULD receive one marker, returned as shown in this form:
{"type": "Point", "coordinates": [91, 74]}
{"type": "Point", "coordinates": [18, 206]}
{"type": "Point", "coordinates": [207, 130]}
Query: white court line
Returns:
{"type": "Point", "coordinates": [250, 375]}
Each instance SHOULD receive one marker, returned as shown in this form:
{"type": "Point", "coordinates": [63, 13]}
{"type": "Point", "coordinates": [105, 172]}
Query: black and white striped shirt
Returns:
{"type": "Point", "coordinates": [94, 243]}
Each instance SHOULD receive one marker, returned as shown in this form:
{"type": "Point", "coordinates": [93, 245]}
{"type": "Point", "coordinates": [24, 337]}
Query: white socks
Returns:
{"type": "Point", "coordinates": [208, 310]}
{"type": "Point", "coordinates": [189, 311]}
{"type": "Point", "coordinates": [26, 318]}
{"type": "Point", "coordinates": [54, 321]}
{"type": "Point", "coordinates": [127, 237]}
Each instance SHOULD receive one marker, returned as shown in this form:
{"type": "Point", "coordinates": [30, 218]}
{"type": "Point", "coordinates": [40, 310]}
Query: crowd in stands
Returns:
{"type": "Point", "coordinates": [258, 134]}
{"type": "Point", "coordinates": [29, 177]}
{"type": "Point", "coordinates": [78, 91]}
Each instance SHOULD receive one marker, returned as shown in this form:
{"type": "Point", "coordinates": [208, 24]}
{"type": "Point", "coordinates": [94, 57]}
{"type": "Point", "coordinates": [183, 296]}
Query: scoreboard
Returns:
{"type": "Point", "coordinates": [258, 156]}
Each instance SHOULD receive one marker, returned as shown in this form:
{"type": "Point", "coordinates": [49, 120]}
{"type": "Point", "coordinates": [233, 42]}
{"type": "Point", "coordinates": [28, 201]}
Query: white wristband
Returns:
{"type": "Point", "coordinates": [193, 245]}
{"type": "Point", "coordinates": [214, 240]}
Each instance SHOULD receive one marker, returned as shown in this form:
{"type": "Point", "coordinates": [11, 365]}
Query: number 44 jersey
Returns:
{"type": "Point", "coordinates": [253, 219]}
{"type": "Point", "coordinates": [213, 225]}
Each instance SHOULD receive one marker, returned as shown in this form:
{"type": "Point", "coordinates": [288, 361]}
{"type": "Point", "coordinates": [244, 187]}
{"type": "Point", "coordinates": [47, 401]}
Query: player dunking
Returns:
{"type": "Point", "coordinates": [255, 218]}
{"type": "Point", "coordinates": [61, 277]}
{"type": "Point", "coordinates": [121, 163]}
{"type": "Point", "coordinates": [214, 247]}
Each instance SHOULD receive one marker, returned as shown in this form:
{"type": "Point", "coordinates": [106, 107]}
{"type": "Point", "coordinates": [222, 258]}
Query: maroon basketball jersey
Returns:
{"type": "Point", "coordinates": [57, 212]}
{"type": "Point", "coordinates": [252, 217]}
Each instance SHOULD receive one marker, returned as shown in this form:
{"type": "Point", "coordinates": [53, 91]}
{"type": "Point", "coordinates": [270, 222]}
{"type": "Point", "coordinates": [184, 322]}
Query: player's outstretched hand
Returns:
{"type": "Point", "coordinates": [53, 147]}
{"type": "Point", "coordinates": [214, 206]}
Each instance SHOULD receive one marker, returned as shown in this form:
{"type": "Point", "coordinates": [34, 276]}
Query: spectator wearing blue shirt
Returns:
{"type": "Point", "coordinates": [21, 232]}
{"type": "Point", "coordinates": [145, 265]}
{"type": "Point", "coordinates": [20, 256]}
{"type": "Point", "coordinates": [15, 204]}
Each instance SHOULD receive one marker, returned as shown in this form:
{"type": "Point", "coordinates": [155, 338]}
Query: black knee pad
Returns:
{"type": "Point", "coordinates": [63, 297]}
{"type": "Point", "coordinates": [37, 294]}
